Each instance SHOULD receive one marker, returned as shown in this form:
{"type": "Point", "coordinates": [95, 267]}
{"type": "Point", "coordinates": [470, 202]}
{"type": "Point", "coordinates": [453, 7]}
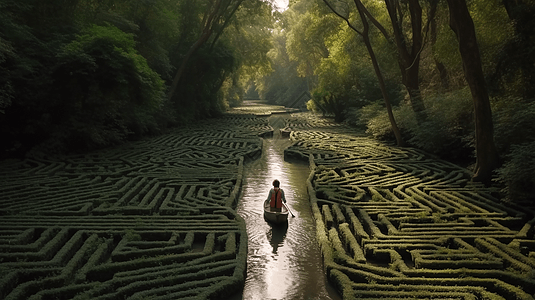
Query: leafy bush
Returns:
{"type": "Point", "coordinates": [514, 122]}
{"type": "Point", "coordinates": [449, 129]}
{"type": "Point", "coordinates": [518, 173]}
{"type": "Point", "coordinates": [375, 117]}
{"type": "Point", "coordinates": [106, 90]}
{"type": "Point", "coordinates": [334, 102]}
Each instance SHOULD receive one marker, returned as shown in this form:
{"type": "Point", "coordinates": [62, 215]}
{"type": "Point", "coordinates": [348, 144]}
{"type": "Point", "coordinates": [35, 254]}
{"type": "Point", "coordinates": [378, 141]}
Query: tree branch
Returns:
{"type": "Point", "coordinates": [343, 17]}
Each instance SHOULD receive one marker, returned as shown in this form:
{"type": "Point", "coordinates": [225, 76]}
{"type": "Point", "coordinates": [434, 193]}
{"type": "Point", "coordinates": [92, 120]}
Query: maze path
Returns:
{"type": "Point", "coordinates": [152, 219]}
{"type": "Point", "coordinates": [396, 223]}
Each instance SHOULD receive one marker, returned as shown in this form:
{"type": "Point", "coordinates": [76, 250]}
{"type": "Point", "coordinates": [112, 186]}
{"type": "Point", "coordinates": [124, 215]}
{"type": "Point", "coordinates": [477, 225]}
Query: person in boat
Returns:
{"type": "Point", "coordinates": [276, 197]}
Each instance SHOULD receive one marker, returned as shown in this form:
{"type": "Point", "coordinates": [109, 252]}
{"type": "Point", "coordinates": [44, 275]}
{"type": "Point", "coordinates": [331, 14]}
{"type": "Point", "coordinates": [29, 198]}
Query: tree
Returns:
{"type": "Point", "coordinates": [216, 18]}
{"type": "Point", "coordinates": [409, 53]}
{"type": "Point", "coordinates": [516, 61]}
{"type": "Point", "coordinates": [365, 34]}
{"type": "Point", "coordinates": [409, 44]}
{"type": "Point", "coordinates": [461, 23]}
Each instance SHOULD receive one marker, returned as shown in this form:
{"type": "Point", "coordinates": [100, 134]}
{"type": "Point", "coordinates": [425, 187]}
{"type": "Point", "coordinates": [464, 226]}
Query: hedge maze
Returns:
{"type": "Point", "coordinates": [152, 219]}
{"type": "Point", "coordinates": [155, 219]}
{"type": "Point", "coordinates": [395, 223]}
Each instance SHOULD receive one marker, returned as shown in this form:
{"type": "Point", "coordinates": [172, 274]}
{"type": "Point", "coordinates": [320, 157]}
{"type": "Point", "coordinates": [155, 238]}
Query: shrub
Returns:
{"type": "Point", "coordinates": [514, 122]}
{"type": "Point", "coordinates": [518, 172]}
{"type": "Point", "coordinates": [448, 131]}
{"type": "Point", "coordinates": [374, 118]}
{"type": "Point", "coordinates": [106, 91]}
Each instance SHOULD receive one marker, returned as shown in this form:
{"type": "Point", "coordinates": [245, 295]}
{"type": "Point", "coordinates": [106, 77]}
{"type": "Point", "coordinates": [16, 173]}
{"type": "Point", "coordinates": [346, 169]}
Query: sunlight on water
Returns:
{"type": "Point", "coordinates": [284, 262]}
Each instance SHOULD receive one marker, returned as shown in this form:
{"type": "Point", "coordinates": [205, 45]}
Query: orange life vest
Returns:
{"type": "Point", "coordinates": [276, 198]}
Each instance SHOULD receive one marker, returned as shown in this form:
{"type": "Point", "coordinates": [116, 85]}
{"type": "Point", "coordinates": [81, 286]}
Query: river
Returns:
{"type": "Point", "coordinates": [283, 262]}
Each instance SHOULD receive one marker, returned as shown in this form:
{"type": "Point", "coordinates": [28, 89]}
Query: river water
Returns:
{"type": "Point", "coordinates": [283, 262]}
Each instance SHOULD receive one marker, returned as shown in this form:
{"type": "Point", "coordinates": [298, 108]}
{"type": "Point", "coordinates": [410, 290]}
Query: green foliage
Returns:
{"type": "Point", "coordinates": [110, 93]}
{"type": "Point", "coordinates": [367, 113]}
{"type": "Point", "coordinates": [203, 99]}
{"type": "Point", "coordinates": [336, 87]}
{"type": "Point", "coordinates": [84, 74]}
{"type": "Point", "coordinates": [493, 28]}
{"type": "Point", "coordinates": [251, 39]}
{"type": "Point", "coordinates": [10, 32]}
{"type": "Point", "coordinates": [306, 39]}
{"type": "Point", "coordinates": [25, 63]}
{"type": "Point", "coordinates": [514, 121]}
{"type": "Point", "coordinates": [281, 84]}
{"type": "Point", "coordinates": [448, 131]}
{"type": "Point", "coordinates": [517, 175]}
{"type": "Point", "coordinates": [376, 119]}
{"type": "Point", "coordinates": [514, 125]}
{"type": "Point", "coordinates": [335, 103]}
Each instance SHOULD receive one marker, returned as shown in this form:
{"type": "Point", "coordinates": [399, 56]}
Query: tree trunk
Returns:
{"type": "Point", "coordinates": [409, 55]}
{"type": "Point", "coordinates": [366, 38]}
{"type": "Point", "coordinates": [486, 155]}
{"type": "Point", "coordinates": [204, 37]}
{"type": "Point", "coordinates": [442, 71]}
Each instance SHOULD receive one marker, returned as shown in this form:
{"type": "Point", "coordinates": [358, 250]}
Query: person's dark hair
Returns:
{"type": "Point", "coordinates": [276, 183]}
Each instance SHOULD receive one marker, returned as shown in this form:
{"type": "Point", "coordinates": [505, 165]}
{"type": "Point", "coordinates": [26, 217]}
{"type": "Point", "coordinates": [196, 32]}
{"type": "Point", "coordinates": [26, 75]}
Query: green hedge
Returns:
{"type": "Point", "coordinates": [356, 226]}
{"type": "Point", "coordinates": [351, 243]}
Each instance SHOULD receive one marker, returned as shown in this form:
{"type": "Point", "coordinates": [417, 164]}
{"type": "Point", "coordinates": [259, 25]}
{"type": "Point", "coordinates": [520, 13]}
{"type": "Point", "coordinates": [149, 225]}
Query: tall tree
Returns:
{"type": "Point", "coordinates": [216, 18]}
{"type": "Point", "coordinates": [486, 155]}
{"type": "Point", "coordinates": [409, 43]}
{"type": "Point", "coordinates": [365, 34]}
{"type": "Point", "coordinates": [516, 61]}
{"type": "Point", "coordinates": [410, 47]}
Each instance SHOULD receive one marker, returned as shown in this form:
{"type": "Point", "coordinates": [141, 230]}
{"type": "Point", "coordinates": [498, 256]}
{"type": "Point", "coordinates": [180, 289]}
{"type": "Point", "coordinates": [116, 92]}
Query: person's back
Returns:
{"type": "Point", "coordinates": [276, 197]}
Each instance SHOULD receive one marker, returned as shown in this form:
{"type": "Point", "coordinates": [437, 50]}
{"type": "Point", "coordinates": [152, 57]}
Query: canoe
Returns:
{"type": "Point", "coordinates": [275, 217]}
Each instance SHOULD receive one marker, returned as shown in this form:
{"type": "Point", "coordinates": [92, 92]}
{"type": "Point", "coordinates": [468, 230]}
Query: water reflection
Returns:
{"type": "Point", "coordinates": [284, 262]}
{"type": "Point", "coordinates": [276, 235]}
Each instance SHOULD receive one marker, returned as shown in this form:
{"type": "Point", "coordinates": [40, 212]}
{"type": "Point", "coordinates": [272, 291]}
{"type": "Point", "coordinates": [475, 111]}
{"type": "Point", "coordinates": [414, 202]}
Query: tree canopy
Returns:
{"type": "Point", "coordinates": [420, 58]}
{"type": "Point", "coordinates": [79, 75]}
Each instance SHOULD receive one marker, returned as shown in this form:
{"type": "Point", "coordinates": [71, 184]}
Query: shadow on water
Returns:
{"type": "Point", "coordinates": [284, 262]}
{"type": "Point", "coordinates": [276, 236]}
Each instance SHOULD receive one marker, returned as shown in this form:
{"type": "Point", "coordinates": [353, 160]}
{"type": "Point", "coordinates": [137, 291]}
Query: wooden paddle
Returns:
{"type": "Point", "coordinates": [291, 213]}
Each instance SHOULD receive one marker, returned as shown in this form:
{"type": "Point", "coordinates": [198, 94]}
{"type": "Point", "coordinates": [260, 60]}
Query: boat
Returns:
{"type": "Point", "coordinates": [275, 217]}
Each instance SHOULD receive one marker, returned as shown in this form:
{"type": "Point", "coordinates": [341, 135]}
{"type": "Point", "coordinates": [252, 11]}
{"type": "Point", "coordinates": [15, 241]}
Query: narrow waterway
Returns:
{"type": "Point", "coordinates": [283, 262]}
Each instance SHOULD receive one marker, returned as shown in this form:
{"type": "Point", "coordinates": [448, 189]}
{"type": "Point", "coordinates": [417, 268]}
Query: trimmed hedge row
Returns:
{"type": "Point", "coordinates": [153, 218]}
{"type": "Point", "coordinates": [394, 223]}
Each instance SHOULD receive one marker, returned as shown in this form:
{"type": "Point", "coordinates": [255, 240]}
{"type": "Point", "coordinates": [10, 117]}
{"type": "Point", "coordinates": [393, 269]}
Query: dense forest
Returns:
{"type": "Point", "coordinates": [455, 78]}
{"type": "Point", "coordinates": [84, 74]}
